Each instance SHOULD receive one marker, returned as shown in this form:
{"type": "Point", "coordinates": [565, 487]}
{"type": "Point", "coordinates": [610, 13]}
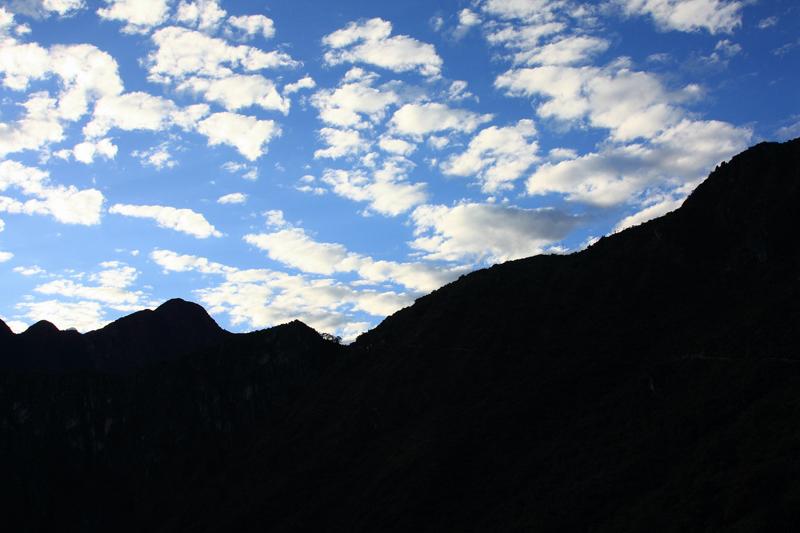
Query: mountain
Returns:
{"type": "Point", "coordinates": [649, 382]}
{"type": "Point", "coordinates": [174, 328]}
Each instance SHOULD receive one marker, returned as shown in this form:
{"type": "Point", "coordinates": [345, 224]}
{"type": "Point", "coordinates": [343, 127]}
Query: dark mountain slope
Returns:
{"type": "Point", "coordinates": [647, 383]}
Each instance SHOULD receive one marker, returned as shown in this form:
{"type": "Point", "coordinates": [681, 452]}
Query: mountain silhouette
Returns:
{"type": "Point", "coordinates": [649, 382]}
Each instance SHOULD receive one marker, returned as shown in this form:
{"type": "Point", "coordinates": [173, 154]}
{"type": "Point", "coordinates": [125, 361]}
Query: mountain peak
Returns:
{"type": "Point", "coordinates": [5, 331]}
{"type": "Point", "coordinates": [41, 327]}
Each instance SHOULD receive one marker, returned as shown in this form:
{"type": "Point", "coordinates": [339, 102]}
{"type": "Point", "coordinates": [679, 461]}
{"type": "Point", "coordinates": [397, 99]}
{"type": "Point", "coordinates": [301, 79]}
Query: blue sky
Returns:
{"type": "Point", "coordinates": [332, 161]}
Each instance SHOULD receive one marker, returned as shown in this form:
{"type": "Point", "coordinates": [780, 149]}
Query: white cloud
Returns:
{"type": "Point", "coordinates": [715, 16]}
{"type": "Point", "coordinates": [45, 8]}
{"type": "Point", "coordinates": [467, 19]}
{"type": "Point", "coordinates": [371, 42]}
{"type": "Point", "coordinates": [183, 220]}
{"type": "Point", "coordinates": [340, 143]}
{"type": "Point", "coordinates": [232, 198]}
{"type": "Point", "coordinates": [68, 205]}
{"type": "Point", "coordinates": [33, 270]}
{"type": "Point", "coordinates": [487, 232]}
{"type": "Point", "coordinates": [618, 174]}
{"type": "Point", "coordinates": [293, 247]}
{"type": "Point", "coordinates": [5, 256]}
{"type": "Point", "coordinates": [396, 146]}
{"type": "Point", "coordinates": [38, 127]}
{"type": "Point", "coordinates": [139, 16]}
{"type": "Point", "coordinates": [131, 111]}
{"type": "Point", "coordinates": [306, 82]}
{"type": "Point", "coordinates": [654, 210]}
{"type": "Point", "coordinates": [158, 157]}
{"type": "Point", "coordinates": [264, 298]}
{"type": "Point", "coordinates": [497, 156]}
{"type": "Point", "coordinates": [387, 191]}
{"type": "Point", "coordinates": [252, 25]}
{"type": "Point", "coordinates": [237, 91]}
{"type": "Point", "coordinates": [182, 52]}
{"type": "Point", "coordinates": [422, 119]}
{"type": "Point", "coordinates": [247, 134]}
{"type": "Point", "coordinates": [249, 172]}
{"type": "Point", "coordinates": [564, 51]}
{"type": "Point", "coordinates": [767, 22]}
{"type": "Point", "coordinates": [629, 103]}
{"type": "Point", "coordinates": [355, 103]}
{"type": "Point", "coordinates": [111, 287]}
{"type": "Point", "coordinates": [86, 151]}
{"type": "Point", "coordinates": [205, 15]}
{"type": "Point", "coordinates": [83, 315]}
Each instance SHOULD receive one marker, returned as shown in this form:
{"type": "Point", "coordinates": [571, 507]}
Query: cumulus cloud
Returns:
{"type": "Point", "coordinates": [248, 135]}
{"type": "Point", "coordinates": [371, 42]}
{"type": "Point", "coordinates": [487, 232]}
{"type": "Point", "coordinates": [232, 198]}
{"type": "Point", "coordinates": [422, 119]}
{"type": "Point", "coordinates": [629, 103]}
{"type": "Point", "coordinates": [110, 286]}
{"type": "Point", "coordinates": [139, 16]}
{"type": "Point", "coordinates": [618, 174]}
{"type": "Point", "coordinates": [181, 52]}
{"type": "Point", "coordinates": [205, 15]}
{"type": "Point", "coordinates": [46, 8]}
{"type": "Point", "coordinates": [497, 156]}
{"type": "Point", "coordinates": [66, 204]}
{"type": "Point", "coordinates": [134, 111]}
{"type": "Point", "coordinates": [158, 157]}
{"type": "Point", "coordinates": [293, 247]}
{"type": "Point", "coordinates": [238, 91]}
{"type": "Point", "coordinates": [86, 151]}
{"type": "Point", "coordinates": [183, 220]}
{"type": "Point", "coordinates": [263, 298]}
{"type": "Point", "coordinates": [340, 143]}
{"type": "Point", "coordinates": [5, 256]}
{"type": "Point", "coordinates": [715, 16]}
{"type": "Point", "coordinates": [82, 315]}
{"type": "Point", "coordinates": [355, 102]}
{"type": "Point", "coordinates": [252, 25]}
{"type": "Point", "coordinates": [306, 82]}
{"type": "Point", "coordinates": [386, 189]}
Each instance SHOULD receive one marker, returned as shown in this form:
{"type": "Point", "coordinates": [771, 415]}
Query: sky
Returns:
{"type": "Point", "coordinates": [333, 161]}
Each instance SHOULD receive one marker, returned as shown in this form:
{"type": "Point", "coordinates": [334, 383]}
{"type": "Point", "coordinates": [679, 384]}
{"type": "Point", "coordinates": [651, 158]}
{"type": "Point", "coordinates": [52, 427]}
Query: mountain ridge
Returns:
{"type": "Point", "coordinates": [648, 382]}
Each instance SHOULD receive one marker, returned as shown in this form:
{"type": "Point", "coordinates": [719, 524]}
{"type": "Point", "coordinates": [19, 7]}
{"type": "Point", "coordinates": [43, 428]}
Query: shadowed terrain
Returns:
{"type": "Point", "coordinates": [649, 382]}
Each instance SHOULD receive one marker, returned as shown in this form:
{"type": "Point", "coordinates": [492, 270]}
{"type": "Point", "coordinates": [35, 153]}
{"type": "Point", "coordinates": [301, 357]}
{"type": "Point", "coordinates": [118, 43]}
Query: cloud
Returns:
{"type": "Point", "coordinates": [111, 287]}
{"type": "Point", "coordinates": [252, 25]}
{"type": "Point", "coordinates": [629, 103]}
{"type": "Point", "coordinates": [205, 15]}
{"type": "Point", "coordinates": [68, 205]}
{"type": "Point", "coordinates": [340, 143]}
{"type": "Point", "coordinates": [467, 19]}
{"type": "Point", "coordinates": [249, 172]}
{"type": "Point", "coordinates": [5, 256]}
{"type": "Point", "coordinates": [139, 16]}
{"type": "Point", "coordinates": [422, 119]}
{"type": "Point", "coordinates": [237, 91]}
{"type": "Point", "coordinates": [660, 207]}
{"type": "Point", "coordinates": [306, 82]}
{"type": "Point", "coordinates": [386, 190]}
{"type": "Point", "coordinates": [715, 16]}
{"type": "Point", "coordinates": [46, 8]}
{"type": "Point", "coordinates": [371, 42]}
{"type": "Point", "coordinates": [396, 146]}
{"type": "Point", "coordinates": [355, 102]}
{"type": "Point", "coordinates": [183, 220]}
{"type": "Point", "coordinates": [33, 270]}
{"type": "Point", "coordinates": [767, 22]}
{"type": "Point", "coordinates": [182, 52]}
{"type": "Point", "coordinates": [496, 156]}
{"type": "Point", "coordinates": [487, 232]}
{"type": "Point", "coordinates": [681, 154]}
{"type": "Point", "coordinates": [86, 151]}
{"type": "Point", "coordinates": [263, 298]}
{"type": "Point", "coordinates": [158, 157]}
{"type": "Point", "coordinates": [83, 315]}
{"type": "Point", "coordinates": [232, 198]}
{"type": "Point", "coordinates": [293, 247]}
{"type": "Point", "coordinates": [38, 127]}
{"type": "Point", "coordinates": [248, 135]}
{"type": "Point", "coordinates": [140, 111]}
